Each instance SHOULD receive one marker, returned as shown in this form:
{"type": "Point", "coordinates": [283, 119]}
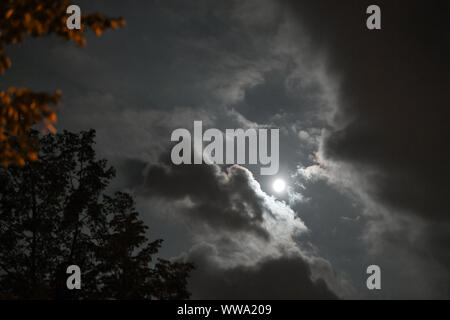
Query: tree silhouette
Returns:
{"type": "Point", "coordinates": [21, 108]}
{"type": "Point", "coordinates": [54, 212]}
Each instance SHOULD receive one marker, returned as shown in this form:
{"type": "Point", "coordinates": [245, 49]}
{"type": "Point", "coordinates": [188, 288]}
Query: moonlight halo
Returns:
{"type": "Point", "coordinates": [279, 185]}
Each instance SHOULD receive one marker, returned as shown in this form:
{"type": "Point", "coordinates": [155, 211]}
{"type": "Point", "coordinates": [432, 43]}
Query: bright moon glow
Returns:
{"type": "Point", "coordinates": [279, 185]}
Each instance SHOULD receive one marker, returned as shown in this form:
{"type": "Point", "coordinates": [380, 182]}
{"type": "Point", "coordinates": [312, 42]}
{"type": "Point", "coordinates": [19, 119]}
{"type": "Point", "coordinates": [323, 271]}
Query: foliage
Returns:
{"type": "Point", "coordinates": [54, 212]}
{"type": "Point", "coordinates": [21, 108]}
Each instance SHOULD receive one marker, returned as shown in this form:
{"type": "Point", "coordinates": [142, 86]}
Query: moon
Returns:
{"type": "Point", "coordinates": [279, 185]}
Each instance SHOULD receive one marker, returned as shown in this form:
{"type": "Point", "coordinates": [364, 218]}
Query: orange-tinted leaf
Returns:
{"type": "Point", "coordinates": [9, 13]}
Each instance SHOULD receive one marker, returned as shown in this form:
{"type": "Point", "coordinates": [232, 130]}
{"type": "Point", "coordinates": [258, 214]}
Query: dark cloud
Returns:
{"type": "Point", "coordinates": [130, 173]}
{"type": "Point", "coordinates": [273, 278]}
{"type": "Point", "coordinates": [391, 127]}
{"type": "Point", "coordinates": [218, 199]}
{"type": "Point", "coordinates": [248, 248]}
{"type": "Point", "coordinates": [393, 92]}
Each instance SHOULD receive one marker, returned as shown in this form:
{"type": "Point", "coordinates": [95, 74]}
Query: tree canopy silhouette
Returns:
{"type": "Point", "coordinates": [21, 108]}
{"type": "Point", "coordinates": [54, 212]}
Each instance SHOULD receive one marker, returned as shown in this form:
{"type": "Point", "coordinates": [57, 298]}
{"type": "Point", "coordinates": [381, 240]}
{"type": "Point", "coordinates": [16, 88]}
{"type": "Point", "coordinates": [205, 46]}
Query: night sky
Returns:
{"type": "Point", "coordinates": [364, 137]}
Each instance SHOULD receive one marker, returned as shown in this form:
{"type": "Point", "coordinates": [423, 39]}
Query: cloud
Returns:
{"type": "Point", "coordinates": [387, 138]}
{"type": "Point", "coordinates": [286, 277]}
{"type": "Point", "coordinates": [241, 234]}
{"type": "Point", "coordinates": [394, 107]}
{"type": "Point", "coordinates": [213, 197]}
